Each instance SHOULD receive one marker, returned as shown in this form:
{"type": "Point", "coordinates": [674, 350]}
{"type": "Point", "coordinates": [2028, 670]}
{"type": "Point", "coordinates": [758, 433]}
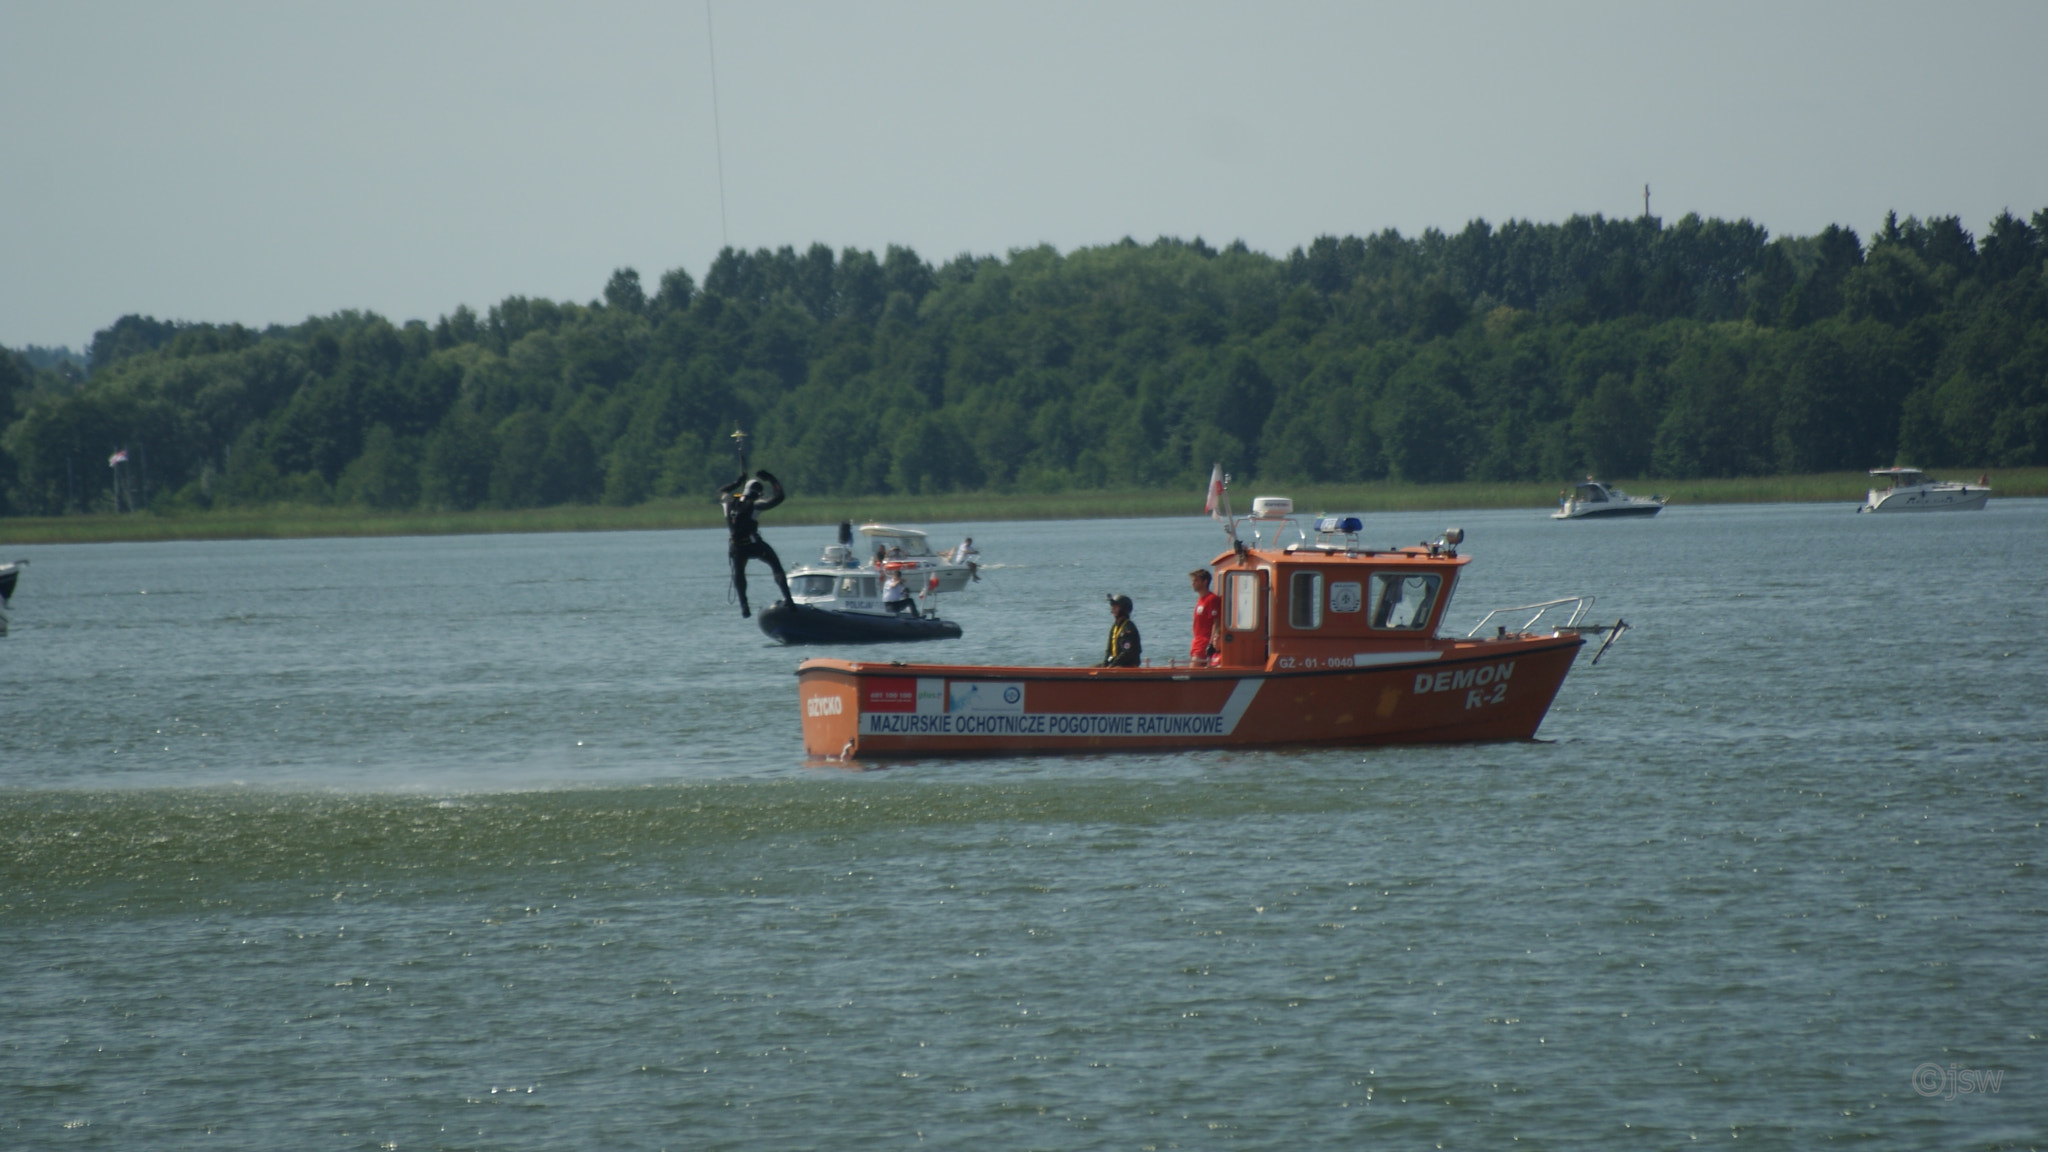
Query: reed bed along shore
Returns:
{"type": "Point", "coordinates": [281, 521]}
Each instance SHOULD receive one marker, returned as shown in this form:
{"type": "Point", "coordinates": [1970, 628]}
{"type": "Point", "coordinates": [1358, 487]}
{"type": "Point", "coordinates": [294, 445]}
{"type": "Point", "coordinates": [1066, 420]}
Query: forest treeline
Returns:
{"type": "Point", "coordinates": [1527, 351]}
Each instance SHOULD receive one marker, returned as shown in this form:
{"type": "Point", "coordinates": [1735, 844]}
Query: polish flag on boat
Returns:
{"type": "Point", "coordinates": [1215, 500]}
{"type": "Point", "coordinates": [120, 457]}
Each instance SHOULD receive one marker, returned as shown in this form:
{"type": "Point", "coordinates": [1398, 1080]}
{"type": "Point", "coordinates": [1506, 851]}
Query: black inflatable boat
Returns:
{"type": "Point", "coordinates": [798, 624]}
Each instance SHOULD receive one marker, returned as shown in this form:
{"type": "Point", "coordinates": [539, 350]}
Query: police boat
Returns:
{"type": "Point", "coordinates": [840, 601]}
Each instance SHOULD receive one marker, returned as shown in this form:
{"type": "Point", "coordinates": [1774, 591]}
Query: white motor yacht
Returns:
{"type": "Point", "coordinates": [1911, 491]}
{"type": "Point", "coordinates": [908, 550]}
{"type": "Point", "coordinates": [1591, 500]}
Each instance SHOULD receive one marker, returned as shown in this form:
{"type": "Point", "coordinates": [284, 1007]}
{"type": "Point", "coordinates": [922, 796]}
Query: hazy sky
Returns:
{"type": "Point", "coordinates": [262, 162]}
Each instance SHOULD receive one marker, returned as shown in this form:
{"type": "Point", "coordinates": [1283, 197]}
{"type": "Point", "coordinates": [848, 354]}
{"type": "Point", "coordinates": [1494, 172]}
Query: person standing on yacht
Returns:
{"type": "Point", "coordinates": [742, 502]}
{"type": "Point", "coordinates": [965, 554]}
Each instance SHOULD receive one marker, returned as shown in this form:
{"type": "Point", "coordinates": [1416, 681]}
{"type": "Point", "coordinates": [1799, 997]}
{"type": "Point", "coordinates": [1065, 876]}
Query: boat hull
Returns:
{"type": "Point", "coordinates": [797, 624]}
{"type": "Point", "coordinates": [1454, 691]}
{"type": "Point", "coordinates": [952, 577]}
{"type": "Point", "coordinates": [1910, 500]}
{"type": "Point", "coordinates": [1609, 512]}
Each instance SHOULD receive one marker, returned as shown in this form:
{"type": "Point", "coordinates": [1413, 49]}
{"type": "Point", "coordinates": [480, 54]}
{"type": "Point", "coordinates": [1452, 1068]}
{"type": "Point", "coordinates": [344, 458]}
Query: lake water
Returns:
{"type": "Point", "coordinates": [509, 843]}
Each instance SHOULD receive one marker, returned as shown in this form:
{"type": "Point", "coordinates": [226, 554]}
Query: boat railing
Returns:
{"type": "Point", "coordinates": [1579, 607]}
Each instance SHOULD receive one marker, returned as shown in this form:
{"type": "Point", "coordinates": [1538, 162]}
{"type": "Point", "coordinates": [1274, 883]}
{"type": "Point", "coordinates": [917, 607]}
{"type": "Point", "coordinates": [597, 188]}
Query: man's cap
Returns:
{"type": "Point", "coordinates": [1121, 600]}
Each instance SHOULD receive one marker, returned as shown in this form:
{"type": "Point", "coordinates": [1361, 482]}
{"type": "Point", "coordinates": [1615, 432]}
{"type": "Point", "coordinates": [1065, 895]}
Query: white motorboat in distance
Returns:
{"type": "Point", "coordinates": [1591, 500]}
{"type": "Point", "coordinates": [908, 550]}
{"type": "Point", "coordinates": [1911, 491]}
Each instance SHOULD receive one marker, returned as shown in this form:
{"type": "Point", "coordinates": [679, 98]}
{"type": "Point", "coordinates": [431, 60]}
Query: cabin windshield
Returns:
{"type": "Point", "coordinates": [1402, 601]}
{"type": "Point", "coordinates": [811, 585]}
{"type": "Point", "coordinates": [1592, 494]}
{"type": "Point", "coordinates": [858, 586]}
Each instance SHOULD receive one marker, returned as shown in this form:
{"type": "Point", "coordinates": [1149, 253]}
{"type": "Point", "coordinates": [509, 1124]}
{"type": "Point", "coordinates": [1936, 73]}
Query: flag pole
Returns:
{"type": "Point", "coordinates": [115, 461]}
{"type": "Point", "coordinates": [739, 441]}
{"type": "Point", "coordinates": [1217, 505]}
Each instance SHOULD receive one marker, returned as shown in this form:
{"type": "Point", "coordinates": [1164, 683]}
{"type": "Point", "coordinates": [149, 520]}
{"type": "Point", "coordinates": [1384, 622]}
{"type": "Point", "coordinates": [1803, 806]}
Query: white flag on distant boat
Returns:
{"type": "Point", "coordinates": [1213, 506]}
{"type": "Point", "coordinates": [120, 457]}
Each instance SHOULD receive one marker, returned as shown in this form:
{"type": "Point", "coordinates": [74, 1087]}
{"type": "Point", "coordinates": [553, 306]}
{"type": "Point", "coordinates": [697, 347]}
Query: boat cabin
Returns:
{"type": "Point", "coordinates": [1592, 499]}
{"type": "Point", "coordinates": [854, 591]}
{"type": "Point", "coordinates": [902, 543]}
{"type": "Point", "coordinates": [1328, 602]}
{"type": "Point", "coordinates": [1901, 477]}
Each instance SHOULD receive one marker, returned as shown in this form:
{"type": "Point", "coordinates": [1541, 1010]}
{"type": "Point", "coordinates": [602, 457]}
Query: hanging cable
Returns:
{"type": "Point", "coordinates": [717, 130]}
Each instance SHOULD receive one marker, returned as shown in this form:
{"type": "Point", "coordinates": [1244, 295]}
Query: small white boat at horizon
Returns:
{"type": "Point", "coordinates": [9, 573]}
{"type": "Point", "coordinates": [1911, 491]}
{"type": "Point", "coordinates": [1591, 500]}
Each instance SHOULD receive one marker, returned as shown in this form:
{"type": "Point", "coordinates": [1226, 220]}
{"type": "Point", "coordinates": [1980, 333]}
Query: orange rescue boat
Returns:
{"type": "Point", "coordinates": [1324, 642]}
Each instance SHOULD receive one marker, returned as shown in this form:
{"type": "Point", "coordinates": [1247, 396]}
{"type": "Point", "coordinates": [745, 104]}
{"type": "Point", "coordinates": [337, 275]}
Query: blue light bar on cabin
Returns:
{"type": "Point", "coordinates": [1350, 524]}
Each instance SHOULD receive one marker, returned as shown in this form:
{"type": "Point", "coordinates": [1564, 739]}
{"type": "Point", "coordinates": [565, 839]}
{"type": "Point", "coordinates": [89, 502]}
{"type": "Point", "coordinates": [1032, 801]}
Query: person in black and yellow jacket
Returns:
{"type": "Point", "coordinates": [1125, 649]}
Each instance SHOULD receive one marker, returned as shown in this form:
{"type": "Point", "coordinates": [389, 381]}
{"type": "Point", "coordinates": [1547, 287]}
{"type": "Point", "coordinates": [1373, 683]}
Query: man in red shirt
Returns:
{"type": "Point", "coordinates": [1208, 619]}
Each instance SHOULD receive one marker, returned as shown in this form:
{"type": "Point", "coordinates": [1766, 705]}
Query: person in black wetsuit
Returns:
{"type": "Point", "coordinates": [742, 502]}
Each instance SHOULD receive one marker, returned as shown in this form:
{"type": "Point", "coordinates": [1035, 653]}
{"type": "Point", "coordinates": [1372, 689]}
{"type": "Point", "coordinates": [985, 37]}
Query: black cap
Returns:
{"type": "Point", "coordinates": [1121, 600]}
